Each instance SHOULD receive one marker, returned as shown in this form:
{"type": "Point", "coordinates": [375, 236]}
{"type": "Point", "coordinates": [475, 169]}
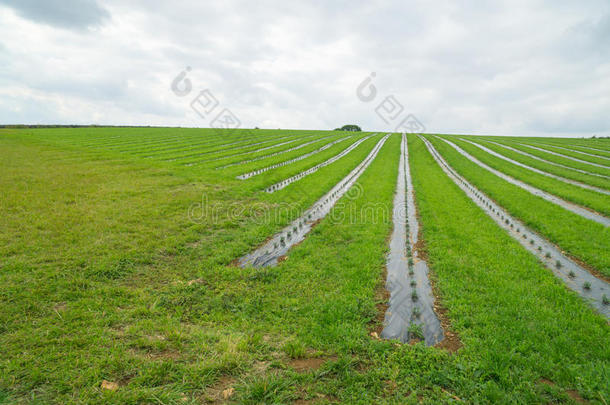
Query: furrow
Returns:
{"type": "Point", "coordinates": [192, 154]}
{"type": "Point", "coordinates": [275, 145]}
{"type": "Point", "coordinates": [546, 161]}
{"type": "Point", "coordinates": [564, 156]}
{"type": "Point", "coordinates": [533, 169]}
{"type": "Point", "coordinates": [279, 245]}
{"type": "Point", "coordinates": [192, 146]}
{"type": "Point", "coordinates": [284, 183]}
{"type": "Point", "coordinates": [574, 276]}
{"type": "Point", "coordinates": [275, 153]}
{"type": "Point", "coordinates": [575, 151]}
{"type": "Point", "coordinates": [287, 162]}
{"type": "Point", "coordinates": [411, 299]}
{"type": "Point", "coordinates": [576, 209]}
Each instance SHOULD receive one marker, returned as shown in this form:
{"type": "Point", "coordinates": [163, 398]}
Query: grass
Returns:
{"type": "Point", "coordinates": [552, 158]}
{"type": "Point", "coordinates": [587, 198]}
{"type": "Point", "coordinates": [496, 291]}
{"type": "Point", "coordinates": [593, 159]}
{"type": "Point", "coordinates": [579, 237]}
{"type": "Point", "coordinates": [104, 277]}
{"type": "Point", "coordinates": [549, 168]}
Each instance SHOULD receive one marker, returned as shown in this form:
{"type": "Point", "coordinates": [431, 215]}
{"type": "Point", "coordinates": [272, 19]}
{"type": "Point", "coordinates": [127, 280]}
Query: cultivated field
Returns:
{"type": "Point", "coordinates": [169, 265]}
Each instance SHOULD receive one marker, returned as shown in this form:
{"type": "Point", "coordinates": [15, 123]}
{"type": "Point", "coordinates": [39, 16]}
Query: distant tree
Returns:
{"type": "Point", "coordinates": [349, 127]}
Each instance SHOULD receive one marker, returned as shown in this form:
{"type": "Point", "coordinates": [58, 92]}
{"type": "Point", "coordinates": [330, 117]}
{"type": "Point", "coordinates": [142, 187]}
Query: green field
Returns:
{"type": "Point", "coordinates": [119, 283]}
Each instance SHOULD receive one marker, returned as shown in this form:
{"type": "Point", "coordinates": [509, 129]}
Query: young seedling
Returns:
{"type": "Point", "coordinates": [411, 272]}
{"type": "Point", "coordinates": [410, 261]}
{"type": "Point", "coordinates": [571, 274]}
{"type": "Point", "coordinates": [414, 295]}
{"type": "Point", "coordinates": [417, 312]}
{"type": "Point", "coordinates": [605, 300]}
{"type": "Point", "coordinates": [558, 264]}
{"type": "Point", "coordinates": [586, 285]}
{"type": "Point", "coordinates": [416, 331]}
{"type": "Point", "coordinates": [540, 248]}
{"type": "Point", "coordinates": [413, 283]}
{"type": "Point", "coordinates": [547, 255]}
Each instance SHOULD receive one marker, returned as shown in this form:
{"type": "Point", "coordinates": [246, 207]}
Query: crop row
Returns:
{"type": "Point", "coordinates": [594, 290]}
{"type": "Point", "coordinates": [556, 158]}
{"type": "Point", "coordinates": [581, 238]}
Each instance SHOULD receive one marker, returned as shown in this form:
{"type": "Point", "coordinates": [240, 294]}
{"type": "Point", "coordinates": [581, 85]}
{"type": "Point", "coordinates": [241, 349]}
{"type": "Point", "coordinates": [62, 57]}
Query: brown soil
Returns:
{"type": "Point", "coordinates": [451, 341]}
{"type": "Point", "coordinates": [382, 297]}
{"type": "Point", "coordinates": [573, 394]}
{"type": "Point", "coordinates": [221, 392]}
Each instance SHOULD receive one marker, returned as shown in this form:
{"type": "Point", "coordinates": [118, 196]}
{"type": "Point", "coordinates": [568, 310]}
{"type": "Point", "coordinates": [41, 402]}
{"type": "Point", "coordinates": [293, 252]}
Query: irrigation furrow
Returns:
{"type": "Point", "coordinates": [593, 289]}
{"type": "Point", "coordinates": [275, 145]}
{"type": "Point", "coordinates": [575, 151]}
{"type": "Point", "coordinates": [287, 162]}
{"type": "Point", "coordinates": [275, 153]}
{"type": "Point", "coordinates": [284, 183]}
{"type": "Point", "coordinates": [533, 169]}
{"type": "Point", "coordinates": [576, 209]}
{"type": "Point", "coordinates": [269, 253]}
{"type": "Point", "coordinates": [185, 147]}
{"type": "Point", "coordinates": [595, 149]}
{"type": "Point", "coordinates": [564, 156]}
{"type": "Point", "coordinates": [192, 151]}
{"type": "Point", "coordinates": [411, 299]}
{"type": "Point", "coordinates": [546, 161]}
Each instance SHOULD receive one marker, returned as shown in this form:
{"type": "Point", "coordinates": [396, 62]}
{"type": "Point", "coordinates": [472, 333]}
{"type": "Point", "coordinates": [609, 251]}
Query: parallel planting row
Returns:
{"type": "Point", "coordinates": [495, 248]}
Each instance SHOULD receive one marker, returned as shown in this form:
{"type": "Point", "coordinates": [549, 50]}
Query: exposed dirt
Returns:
{"type": "Point", "coordinates": [451, 341]}
{"type": "Point", "coordinates": [382, 297]}
{"type": "Point", "coordinates": [306, 365]}
{"type": "Point", "coordinates": [573, 394]}
{"type": "Point", "coordinates": [221, 392]}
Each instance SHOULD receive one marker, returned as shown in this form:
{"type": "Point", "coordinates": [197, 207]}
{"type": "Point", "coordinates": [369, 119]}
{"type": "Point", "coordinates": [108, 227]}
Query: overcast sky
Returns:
{"type": "Point", "coordinates": [509, 68]}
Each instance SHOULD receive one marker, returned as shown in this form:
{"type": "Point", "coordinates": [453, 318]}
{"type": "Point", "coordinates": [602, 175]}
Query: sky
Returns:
{"type": "Point", "coordinates": [518, 67]}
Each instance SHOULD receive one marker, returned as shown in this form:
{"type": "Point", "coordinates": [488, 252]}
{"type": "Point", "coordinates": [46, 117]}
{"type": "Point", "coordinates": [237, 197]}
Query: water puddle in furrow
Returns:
{"type": "Point", "coordinates": [575, 277]}
{"type": "Point", "coordinates": [274, 154]}
{"type": "Point", "coordinates": [564, 156]}
{"type": "Point", "coordinates": [269, 253]}
{"type": "Point", "coordinates": [241, 145]}
{"type": "Point", "coordinates": [546, 161]}
{"type": "Point", "coordinates": [575, 151]}
{"type": "Point", "coordinates": [533, 169]}
{"type": "Point", "coordinates": [284, 183]}
{"type": "Point", "coordinates": [287, 162]}
{"type": "Point", "coordinates": [576, 209]}
{"type": "Point", "coordinates": [411, 306]}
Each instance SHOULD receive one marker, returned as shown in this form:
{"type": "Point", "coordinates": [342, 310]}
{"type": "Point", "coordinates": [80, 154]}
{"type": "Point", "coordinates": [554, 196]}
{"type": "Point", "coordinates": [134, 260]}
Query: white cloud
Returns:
{"type": "Point", "coordinates": [512, 67]}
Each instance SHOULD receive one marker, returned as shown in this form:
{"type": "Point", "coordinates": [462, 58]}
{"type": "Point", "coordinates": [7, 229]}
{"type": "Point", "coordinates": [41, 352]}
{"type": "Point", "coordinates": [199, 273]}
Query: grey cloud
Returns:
{"type": "Point", "coordinates": [70, 14]}
{"type": "Point", "coordinates": [509, 67]}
